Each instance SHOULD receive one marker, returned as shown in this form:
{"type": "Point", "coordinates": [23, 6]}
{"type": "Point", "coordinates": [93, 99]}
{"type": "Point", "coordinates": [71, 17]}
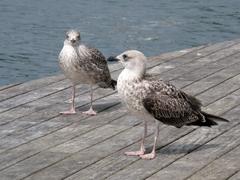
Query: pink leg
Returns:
{"type": "Point", "coordinates": [72, 108]}
{"type": "Point", "coordinates": [152, 155]}
{"type": "Point", "coordinates": [142, 148]}
{"type": "Point", "coordinates": [90, 112]}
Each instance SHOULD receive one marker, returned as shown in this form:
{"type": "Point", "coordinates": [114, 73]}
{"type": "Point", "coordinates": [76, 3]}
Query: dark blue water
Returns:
{"type": "Point", "coordinates": [32, 32]}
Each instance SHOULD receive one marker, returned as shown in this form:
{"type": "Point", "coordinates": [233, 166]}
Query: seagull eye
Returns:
{"type": "Point", "coordinates": [67, 36]}
{"type": "Point", "coordinates": [125, 56]}
{"type": "Point", "coordinates": [78, 36]}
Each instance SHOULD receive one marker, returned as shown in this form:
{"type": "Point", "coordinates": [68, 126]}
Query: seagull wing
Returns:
{"type": "Point", "coordinates": [171, 106]}
{"type": "Point", "coordinates": [95, 65]}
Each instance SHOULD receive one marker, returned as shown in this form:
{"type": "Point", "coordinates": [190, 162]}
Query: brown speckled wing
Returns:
{"type": "Point", "coordinates": [95, 64]}
{"type": "Point", "coordinates": [100, 61]}
{"type": "Point", "coordinates": [169, 105]}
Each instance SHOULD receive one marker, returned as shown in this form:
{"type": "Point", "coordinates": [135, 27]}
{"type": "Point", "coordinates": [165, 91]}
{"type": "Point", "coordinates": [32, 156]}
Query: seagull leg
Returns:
{"type": "Point", "coordinates": [152, 155]}
{"type": "Point", "coordinates": [142, 148]}
{"type": "Point", "coordinates": [72, 108]}
{"type": "Point", "coordinates": [90, 112]}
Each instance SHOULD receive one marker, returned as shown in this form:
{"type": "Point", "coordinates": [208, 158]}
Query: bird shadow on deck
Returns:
{"type": "Point", "coordinates": [98, 106]}
{"type": "Point", "coordinates": [185, 149]}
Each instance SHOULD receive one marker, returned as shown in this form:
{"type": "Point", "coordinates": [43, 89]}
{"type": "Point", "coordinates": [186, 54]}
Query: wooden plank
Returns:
{"type": "Point", "coordinates": [37, 104]}
{"type": "Point", "coordinates": [54, 101]}
{"type": "Point", "coordinates": [169, 56]}
{"type": "Point", "coordinates": [220, 90]}
{"type": "Point", "coordinates": [221, 168]}
{"type": "Point", "coordinates": [53, 109]}
{"type": "Point", "coordinates": [36, 84]}
{"type": "Point", "coordinates": [198, 76]}
{"type": "Point", "coordinates": [201, 75]}
{"type": "Point", "coordinates": [105, 172]}
{"type": "Point", "coordinates": [206, 83]}
{"type": "Point", "coordinates": [46, 102]}
{"type": "Point", "coordinates": [60, 136]}
{"type": "Point", "coordinates": [39, 119]}
{"type": "Point", "coordinates": [142, 169]}
{"type": "Point", "coordinates": [28, 86]}
{"type": "Point", "coordinates": [13, 114]}
{"type": "Point", "coordinates": [211, 67]}
{"type": "Point", "coordinates": [192, 162]}
{"type": "Point", "coordinates": [56, 119]}
{"type": "Point", "coordinates": [30, 96]}
{"type": "Point", "coordinates": [33, 95]}
{"type": "Point", "coordinates": [225, 44]}
{"type": "Point", "coordinates": [41, 129]}
{"type": "Point", "coordinates": [176, 56]}
{"type": "Point", "coordinates": [207, 101]}
{"type": "Point", "coordinates": [57, 166]}
{"type": "Point", "coordinates": [235, 176]}
{"type": "Point", "coordinates": [89, 156]}
{"type": "Point", "coordinates": [211, 51]}
{"type": "Point", "coordinates": [206, 77]}
{"type": "Point", "coordinates": [117, 160]}
{"type": "Point", "coordinates": [43, 160]}
{"type": "Point", "coordinates": [9, 86]}
{"type": "Point", "coordinates": [229, 101]}
{"type": "Point", "coordinates": [195, 64]}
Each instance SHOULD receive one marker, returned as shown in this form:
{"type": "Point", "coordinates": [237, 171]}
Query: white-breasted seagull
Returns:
{"type": "Point", "coordinates": [150, 98]}
{"type": "Point", "coordinates": [83, 65]}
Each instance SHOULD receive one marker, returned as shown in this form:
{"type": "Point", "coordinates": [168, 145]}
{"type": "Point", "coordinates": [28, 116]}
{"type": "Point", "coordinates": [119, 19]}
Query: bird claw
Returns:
{"type": "Point", "coordinates": [68, 112]}
{"type": "Point", "coordinates": [90, 112]}
{"type": "Point", "coordinates": [148, 156]}
{"type": "Point", "coordinates": [135, 153]}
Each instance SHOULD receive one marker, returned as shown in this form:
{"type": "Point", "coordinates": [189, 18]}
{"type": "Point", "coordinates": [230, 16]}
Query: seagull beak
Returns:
{"type": "Point", "coordinates": [73, 41]}
{"type": "Point", "coordinates": [113, 58]}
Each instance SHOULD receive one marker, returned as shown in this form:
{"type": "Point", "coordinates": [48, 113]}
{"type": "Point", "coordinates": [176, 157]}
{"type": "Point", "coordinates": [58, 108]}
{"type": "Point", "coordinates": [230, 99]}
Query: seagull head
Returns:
{"type": "Point", "coordinates": [133, 61]}
{"type": "Point", "coordinates": [72, 37]}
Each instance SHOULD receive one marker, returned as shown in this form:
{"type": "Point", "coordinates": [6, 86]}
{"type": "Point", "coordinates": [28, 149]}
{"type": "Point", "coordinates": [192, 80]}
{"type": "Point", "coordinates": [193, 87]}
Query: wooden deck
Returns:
{"type": "Point", "coordinates": [39, 144]}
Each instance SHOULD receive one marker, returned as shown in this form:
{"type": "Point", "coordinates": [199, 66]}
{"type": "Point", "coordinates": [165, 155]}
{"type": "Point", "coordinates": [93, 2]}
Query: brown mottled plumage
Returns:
{"type": "Point", "coordinates": [147, 96]}
{"type": "Point", "coordinates": [83, 65]}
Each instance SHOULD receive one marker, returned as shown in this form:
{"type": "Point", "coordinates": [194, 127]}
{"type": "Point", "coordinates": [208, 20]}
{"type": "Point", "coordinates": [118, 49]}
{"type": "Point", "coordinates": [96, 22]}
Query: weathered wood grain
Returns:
{"type": "Point", "coordinates": [213, 79]}
{"type": "Point", "coordinates": [37, 143]}
{"type": "Point", "coordinates": [23, 88]}
{"type": "Point", "coordinates": [41, 129]}
{"type": "Point", "coordinates": [195, 64]}
{"type": "Point", "coordinates": [215, 93]}
{"type": "Point", "coordinates": [9, 86]}
{"type": "Point", "coordinates": [205, 154]}
{"type": "Point", "coordinates": [116, 161]}
{"type": "Point", "coordinates": [236, 176]}
{"type": "Point", "coordinates": [221, 168]}
{"type": "Point", "coordinates": [8, 143]}
{"type": "Point", "coordinates": [120, 165]}
{"type": "Point", "coordinates": [36, 105]}
{"type": "Point", "coordinates": [142, 169]}
{"type": "Point", "coordinates": [49, 101]}
{"type": "Point", "coordinates": [188, 52]}
{"type": "Point", "coordinates": [49, 167]}
{"type": "Point", "coordinates": [19, 112]}
{"type": "Point", "coordinates": [37, 84]}
{"type": "Point", "coordinates": [50, 157]}
{"type": "Point", "coordinates": [60, 136]}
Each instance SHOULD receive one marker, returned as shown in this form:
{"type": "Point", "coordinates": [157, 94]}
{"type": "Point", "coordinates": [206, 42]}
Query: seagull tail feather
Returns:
{"type": "Point", "coordinates": [208, 120]}
{"type": "Point", "coordinates": [113, 84]}
{"type": "Point", "coordinates": [214, 117]}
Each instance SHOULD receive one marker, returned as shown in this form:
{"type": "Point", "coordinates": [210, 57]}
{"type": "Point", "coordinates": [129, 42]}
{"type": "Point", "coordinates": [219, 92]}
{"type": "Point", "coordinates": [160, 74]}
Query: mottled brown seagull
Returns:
{"type": "Point", "coordinates": [151, 98]}
{"type": "Point", "coordinates": [83, 65]}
